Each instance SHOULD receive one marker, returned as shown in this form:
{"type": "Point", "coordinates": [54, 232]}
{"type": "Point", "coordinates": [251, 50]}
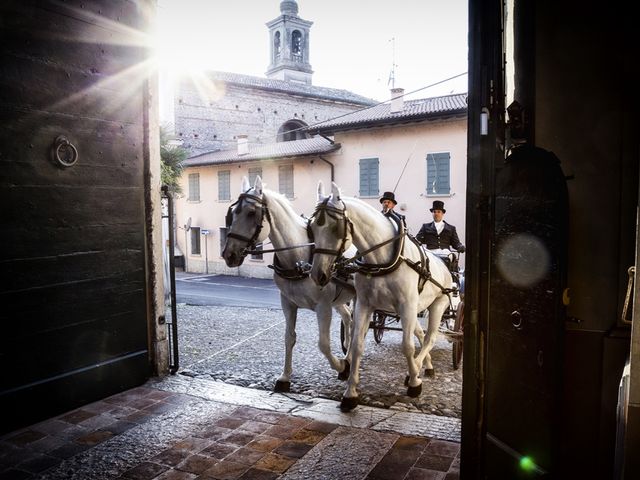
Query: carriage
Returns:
{"type": "Point", "coordinates": [452, 319]}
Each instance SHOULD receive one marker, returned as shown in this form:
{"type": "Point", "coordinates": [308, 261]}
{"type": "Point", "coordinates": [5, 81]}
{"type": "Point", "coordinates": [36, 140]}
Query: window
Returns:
{"type": "Point", "coordinates": [276, 44]}
{"type": "Point", "coordinates": [296, 43]}
{"type": "Point", "coordinates": [224, 185]}
{"type": "Point", "coordinates": [438, 165]}
{"type": "Point", "coordinates": [223, 238]}
{"type": "Point", "coordinates": [285, 180]}
{"type": "Point", "coordinates": [257, 256]}
{"type": "Point", "coordinates": [292, 130]}
{"type": "Point", "coordinates": [195, 240]}
{"type": "Point", "coordinates": [194, 187]}
{"type": "Point", "coordinates": [253, 173]}
{"type": "Point", "coordinates": [369, 174]}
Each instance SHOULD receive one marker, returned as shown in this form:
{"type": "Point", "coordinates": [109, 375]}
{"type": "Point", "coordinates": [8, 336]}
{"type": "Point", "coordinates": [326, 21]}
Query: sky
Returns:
{"type": "Point", "coordinates": [353, 43]}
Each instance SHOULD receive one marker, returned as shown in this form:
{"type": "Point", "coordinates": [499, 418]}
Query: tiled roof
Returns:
{"type": "Point", "coordinates": [295, 148]}
{"type": "Point", "coordinates": [295, 88]}
{"type": "Point", "coordinates": [414, 110]}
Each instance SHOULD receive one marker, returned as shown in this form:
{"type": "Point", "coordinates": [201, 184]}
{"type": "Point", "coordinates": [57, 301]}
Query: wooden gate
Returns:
{"type": "Point", "coordinates": [74, 290]}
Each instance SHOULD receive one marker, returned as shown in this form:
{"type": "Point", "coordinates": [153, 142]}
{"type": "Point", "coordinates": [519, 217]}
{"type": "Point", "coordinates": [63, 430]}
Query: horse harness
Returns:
{"type": "Point", "coordinates": [356, 263]}
{"type": "Point", "coordinates": [302, 269]}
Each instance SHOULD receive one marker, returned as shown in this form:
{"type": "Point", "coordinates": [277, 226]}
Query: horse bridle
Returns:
{"type": "Point", "coordinates": [251, 241]}
{"type": "Point", "coordinates": [323, 210]}
{"type": "Point", "coordinates": [355, 263]}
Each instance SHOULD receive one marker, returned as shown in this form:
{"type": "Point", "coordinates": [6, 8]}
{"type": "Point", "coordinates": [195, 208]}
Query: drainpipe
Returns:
{"type": "Point", "coordinates": [330, 164]}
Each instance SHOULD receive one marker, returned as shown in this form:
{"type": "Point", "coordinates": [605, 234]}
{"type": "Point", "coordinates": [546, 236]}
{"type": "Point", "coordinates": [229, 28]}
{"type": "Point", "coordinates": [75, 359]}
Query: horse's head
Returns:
{"type": "Point", "coordinates": [331, 231]}
{"type": "Point", "coordinates": [247, 223]}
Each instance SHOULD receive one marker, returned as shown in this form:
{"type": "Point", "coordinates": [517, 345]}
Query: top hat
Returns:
{"type": "Point", "coordinates": [438, 205]}
{"type": "Point", "coordinates": [388, 196]}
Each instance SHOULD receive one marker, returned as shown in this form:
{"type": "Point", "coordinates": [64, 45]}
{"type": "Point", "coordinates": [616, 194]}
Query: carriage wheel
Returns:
{"type": "Point", "coordinates": [457, 341]}
{"type": "Point", "coordinates": [378, 326]}
{"type": "Point", "coordinates": [342, 335]}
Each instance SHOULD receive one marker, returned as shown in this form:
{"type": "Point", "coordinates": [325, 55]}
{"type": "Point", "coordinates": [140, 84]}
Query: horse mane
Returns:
{"type": "Point", "coordinates": [285, 204]}
{"type": "Point", "coordinates": [379, 220]}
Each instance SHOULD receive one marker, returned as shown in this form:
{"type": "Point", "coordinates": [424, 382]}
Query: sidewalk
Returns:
{"type": "Point", "coordinates": [181, 428]}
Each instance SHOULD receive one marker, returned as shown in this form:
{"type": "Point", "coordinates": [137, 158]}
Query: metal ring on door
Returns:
{"type": "Point", "coordinates": [516, 319]}
{"type": "Point", "coordinates": [62, 145]}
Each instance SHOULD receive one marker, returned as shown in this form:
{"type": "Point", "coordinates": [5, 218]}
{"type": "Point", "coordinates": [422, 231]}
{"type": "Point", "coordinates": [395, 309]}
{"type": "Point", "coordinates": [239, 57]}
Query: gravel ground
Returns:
{"type": "Point", "coordinates": [245, 346]}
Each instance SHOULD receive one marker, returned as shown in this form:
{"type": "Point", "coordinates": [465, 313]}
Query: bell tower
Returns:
{"type": "Point", "coordinates": [289, 36]}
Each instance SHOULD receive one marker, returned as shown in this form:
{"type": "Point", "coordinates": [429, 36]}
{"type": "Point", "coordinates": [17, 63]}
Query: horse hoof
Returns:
{"type": "Point", "coordinates": [282, 386]}
{"type": "Point", "coordinates": [414, 392]}
{"type": "Point", "coordinates": [430, 372]}
{"type": "Point", "coordinates": [344, 374]}
{"type": "Point", "coordinates": [348, 403]}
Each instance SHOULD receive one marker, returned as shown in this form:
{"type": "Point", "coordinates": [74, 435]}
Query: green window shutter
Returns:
{"type": "Point", "coordinates": [438, 173]}
{"type": "Point", "coordinates": [369, 177]}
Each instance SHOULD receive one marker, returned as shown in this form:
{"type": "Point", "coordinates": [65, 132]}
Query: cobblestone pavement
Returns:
{"type": "Point", "coordinates": [245, 347]}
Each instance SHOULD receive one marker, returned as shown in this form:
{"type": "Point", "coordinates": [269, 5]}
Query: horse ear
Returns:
{"type": "Point", "coordinates": [245, 184]}
{"type": "Point", "coordinates": [335, 191]}
{"type": "Point", "coordinates": [320, 191]}
{"type": "Point", "coordinates": [258, 185]}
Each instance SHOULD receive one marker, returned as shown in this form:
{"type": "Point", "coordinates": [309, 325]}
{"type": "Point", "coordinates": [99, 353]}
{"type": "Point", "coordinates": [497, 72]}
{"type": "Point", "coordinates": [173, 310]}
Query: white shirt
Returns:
{"type": "Point", "coordinates": [439, 226]}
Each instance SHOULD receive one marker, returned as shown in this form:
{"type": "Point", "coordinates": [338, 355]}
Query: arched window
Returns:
{"type": "Point", "coordinates": [292, 130]}
{"type": "Point", "coordinates": [276, 44]}
{"type": "Point", "coordinates": [296, 43]}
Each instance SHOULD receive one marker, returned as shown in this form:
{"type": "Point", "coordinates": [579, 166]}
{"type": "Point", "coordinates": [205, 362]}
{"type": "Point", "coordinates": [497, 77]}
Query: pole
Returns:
{"type": "Point", "coordinates": [206, 255]}
{"type": "Point", "coordinates": [186, 239]}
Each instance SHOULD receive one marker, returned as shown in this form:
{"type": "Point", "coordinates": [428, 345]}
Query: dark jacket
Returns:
{"type": "Point", "coordinates": [447, 239]}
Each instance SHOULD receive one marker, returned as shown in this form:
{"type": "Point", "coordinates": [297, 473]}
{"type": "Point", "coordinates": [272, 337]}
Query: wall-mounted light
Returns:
{"type": "Point", "coordinates": [484, 121]}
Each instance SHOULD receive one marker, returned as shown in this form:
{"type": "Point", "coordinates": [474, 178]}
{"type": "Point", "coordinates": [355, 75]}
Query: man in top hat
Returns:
{"type": "Point", "coordinates": [439, 235]}
{"type": "Point", "coordinates": [388, 201]}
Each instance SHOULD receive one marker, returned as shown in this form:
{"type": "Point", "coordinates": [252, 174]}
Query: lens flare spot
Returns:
{"type": "Point", "coordinates": [523, 260]}
{"type": "Point", "coordinates": [527, 464]}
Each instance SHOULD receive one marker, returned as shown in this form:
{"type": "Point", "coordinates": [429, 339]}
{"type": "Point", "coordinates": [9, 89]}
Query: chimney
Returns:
{"type": "Point", "coordinates": [397, 100]}
{"type": "Point", "coordinates": [243, 145]}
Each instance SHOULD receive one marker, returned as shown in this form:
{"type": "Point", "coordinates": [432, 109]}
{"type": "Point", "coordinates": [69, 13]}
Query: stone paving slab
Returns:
{"type": "Point", "coordinates": [112, 458]}
{"type": "Point", "coordinates": [405, 423]}
{"type": "Point", "coordinates": [181, 428]}
{"type": "Point", "coordinates": [337, 457]}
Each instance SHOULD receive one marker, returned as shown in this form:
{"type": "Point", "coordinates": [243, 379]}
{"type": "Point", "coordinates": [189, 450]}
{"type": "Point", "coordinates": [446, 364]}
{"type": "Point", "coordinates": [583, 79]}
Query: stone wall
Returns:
{"type": "Point", "coordinates": [210, 119]}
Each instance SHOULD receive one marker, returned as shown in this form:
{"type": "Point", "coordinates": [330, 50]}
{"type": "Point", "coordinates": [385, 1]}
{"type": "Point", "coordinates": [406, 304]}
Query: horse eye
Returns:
{"type": "Point", "coordinates": [251, 213]}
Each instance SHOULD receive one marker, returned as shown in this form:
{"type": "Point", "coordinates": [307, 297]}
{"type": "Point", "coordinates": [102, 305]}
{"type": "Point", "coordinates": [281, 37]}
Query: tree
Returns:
{"type": "Point", "coordinates": [172, 157]}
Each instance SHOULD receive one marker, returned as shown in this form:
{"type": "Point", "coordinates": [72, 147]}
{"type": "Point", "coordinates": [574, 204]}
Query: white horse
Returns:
{"type": "Point", "coordinates": [260, 213]}
{"type": "Point", "coordinates": [394, 274]}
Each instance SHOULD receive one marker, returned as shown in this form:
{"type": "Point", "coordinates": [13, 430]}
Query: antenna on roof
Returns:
{"type": "Point", "coordinates": [392, 73]}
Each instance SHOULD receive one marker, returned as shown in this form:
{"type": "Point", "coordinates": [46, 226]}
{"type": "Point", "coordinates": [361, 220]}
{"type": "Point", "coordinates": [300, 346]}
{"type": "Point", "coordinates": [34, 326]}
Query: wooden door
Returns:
{"type": "Point", "coordinates": [73, 292]}
{"type": "Point", "coordinates": [525, 330]}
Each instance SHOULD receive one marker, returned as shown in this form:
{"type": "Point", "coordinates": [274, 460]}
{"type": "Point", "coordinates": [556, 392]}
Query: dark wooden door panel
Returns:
{"type": "Point", "coordinates": [74, 278]}
{"type": "Point", "coordinates": [526, 323]}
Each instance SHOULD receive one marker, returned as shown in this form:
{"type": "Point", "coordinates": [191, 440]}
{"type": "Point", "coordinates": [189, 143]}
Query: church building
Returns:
{"type": "Point", "coordinates": [211, 112]}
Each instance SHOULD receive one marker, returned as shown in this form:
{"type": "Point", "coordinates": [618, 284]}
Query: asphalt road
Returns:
{"type": "Point", "coordinates": [226, 291]}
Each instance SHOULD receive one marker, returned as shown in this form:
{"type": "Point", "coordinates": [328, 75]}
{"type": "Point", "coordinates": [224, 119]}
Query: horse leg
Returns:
{"type": "Point", "coordinates": [360, 327]}
{"type": "Point", "coordinates": [419, 333]}
{"type": "Point", "coordinates": [346, 316]}
{"type": "Point", "coordinates": [283, 383]}
{"type": "Point", "coordinates": [324, 314]}
{"type": "Point", "coordinates": [409, 320]}
{"type": "Point", "coordinates": [436, 310]}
